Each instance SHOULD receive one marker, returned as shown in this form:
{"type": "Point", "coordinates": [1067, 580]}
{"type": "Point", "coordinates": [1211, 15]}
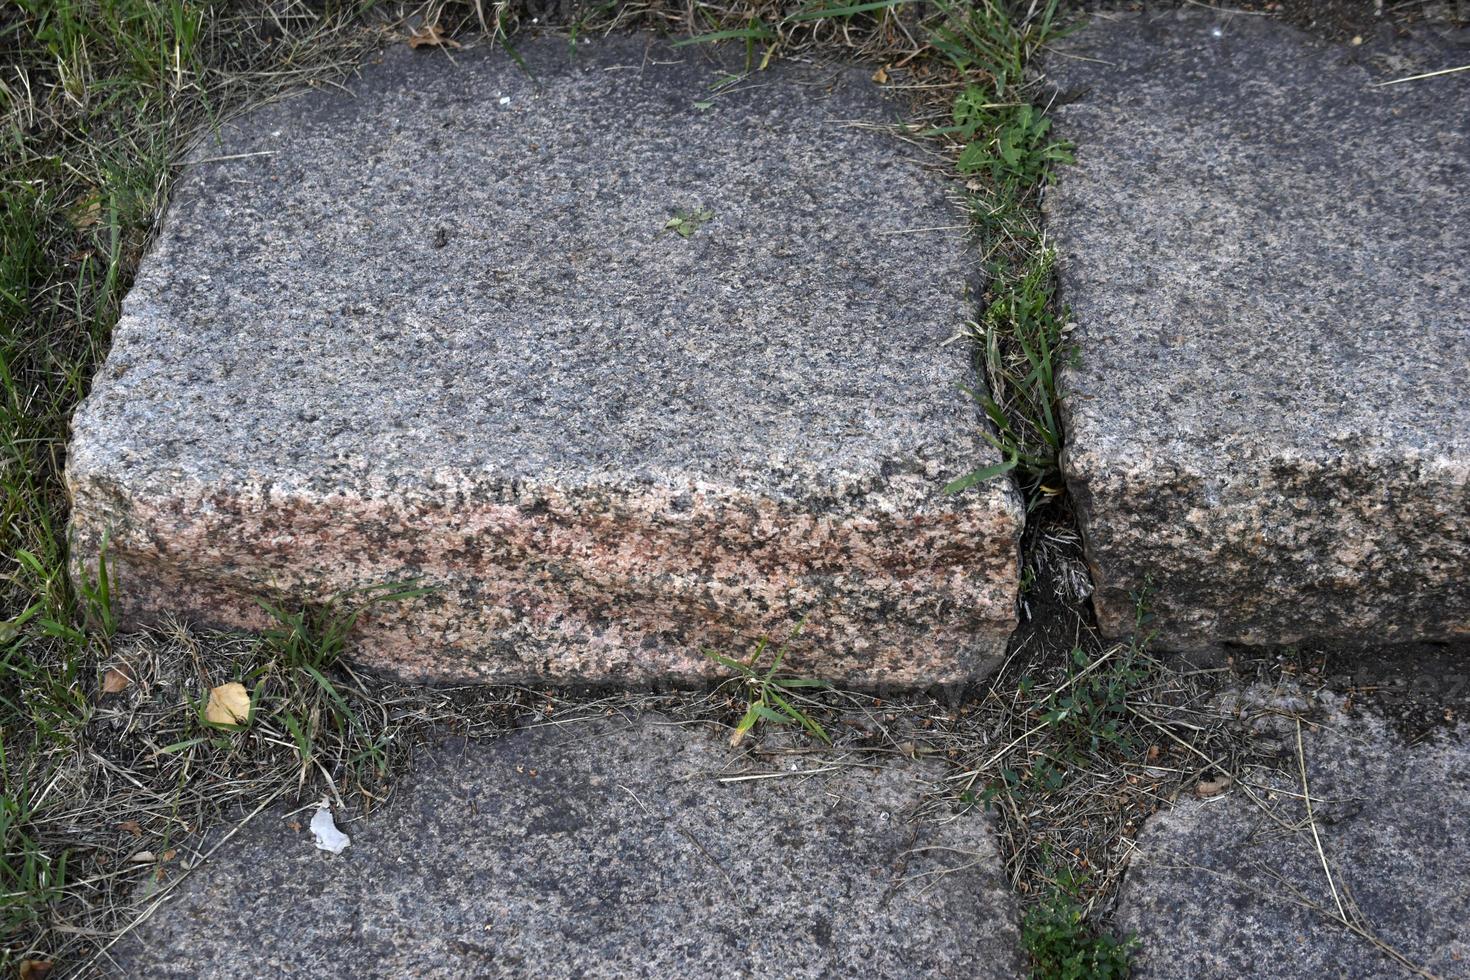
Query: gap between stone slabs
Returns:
{"type": "Point", "coordinates": [619, 372]}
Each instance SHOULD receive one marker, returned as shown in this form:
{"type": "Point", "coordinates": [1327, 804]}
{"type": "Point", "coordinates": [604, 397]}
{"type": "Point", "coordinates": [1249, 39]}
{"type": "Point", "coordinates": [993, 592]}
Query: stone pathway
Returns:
{"type": "Point", "coordinates": [635, 846]}
{"type": "Point", "coordinates": [1234, 885]}
{"type": "Point", "coordinates": [621, 362]}
{"type": "Point", "coordinates": [1266, 260]}
{"type": "Point", "coordinates": [625, 364]}
{"type": "Point", "coordinates": [608, 848]}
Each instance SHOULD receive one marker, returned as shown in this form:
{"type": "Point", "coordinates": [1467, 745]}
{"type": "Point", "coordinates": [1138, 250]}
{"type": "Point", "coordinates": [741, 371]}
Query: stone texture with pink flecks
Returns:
{"type": "Point", "coordinates": [438, 330]}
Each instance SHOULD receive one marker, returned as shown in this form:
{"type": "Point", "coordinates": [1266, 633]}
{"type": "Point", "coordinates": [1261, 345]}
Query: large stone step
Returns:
{"type": "Point", "coordinates": [607, 848]}
{"type": "Point", "coordinates": [1266, 259]}
{"type": "Point", "coordinates": [621, 359]}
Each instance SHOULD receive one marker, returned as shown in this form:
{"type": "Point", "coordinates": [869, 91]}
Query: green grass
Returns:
{"type": "Point", "coordinates": [310, 723]}
{"type": "Point", "coordinates": [84, 126]}
{"type": "Point", "coordinates": [31, 879]}
{"type": "Point", "coordinates": [1082, 711]}
{"type": "Point", "coordinates": [304, 694]}
{"type": "Point", "coordinates": [1007, 153]}
{"type": "Point", "coordinates": [1065, 781]}
{"type": "Point", "coordinates": [1063, 943]}
{"type": "Point", "coordinates": [1022, 340]}
{"type": "Point", "coordinates": [770, 696]}
{"type": "Point", "coordinates": [1081, 719]}
{"type": "Point", "coordinates": [306, 646]}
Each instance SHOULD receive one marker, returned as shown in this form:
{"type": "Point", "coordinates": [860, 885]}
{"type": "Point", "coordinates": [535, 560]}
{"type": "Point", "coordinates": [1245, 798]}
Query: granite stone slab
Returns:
{"type": "Point", "coordinates": [1265, 258]}
{"type": "Point", "coordinates": [442, 330]}
{"type": "Point", "coordinates": [607, 849]}
{"type": "Point", "coordinates": [1234, 887]}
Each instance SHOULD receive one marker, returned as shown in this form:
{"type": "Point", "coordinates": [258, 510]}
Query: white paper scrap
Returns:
{"type": "Point", "coordinates": [325, 834]}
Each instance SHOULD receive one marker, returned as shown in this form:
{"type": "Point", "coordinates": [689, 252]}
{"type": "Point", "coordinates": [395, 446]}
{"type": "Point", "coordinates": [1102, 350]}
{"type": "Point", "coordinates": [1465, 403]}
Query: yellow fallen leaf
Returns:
{"type": "Point", "coordinates": [229, 704]}
{"type": "Point", "coordinates": [1207, 788]}
{"type": "Point", "coordinates": [35, 969]}
{"type": "Point", "coordinates": [115, 680]}
{"type": "Point", "coordinates": [881, 75]}
{"type": "Point", "coordinates": [432, 37]}
{"type": "Point", "coordinates": [85, 211]}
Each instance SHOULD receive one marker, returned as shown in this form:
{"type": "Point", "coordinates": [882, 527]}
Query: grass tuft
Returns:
{"type": "Point", "coordinates": [771, 696]}
{"type": "Point", "coordinates": [1064, 945]}
{"type": "Point", "coordinates": [305, 647]}
{"type": "Point", "coordinates": [1005, 151]}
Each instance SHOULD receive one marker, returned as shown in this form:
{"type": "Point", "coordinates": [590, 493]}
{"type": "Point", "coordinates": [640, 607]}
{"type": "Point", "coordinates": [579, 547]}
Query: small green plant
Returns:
{"type": "Point", "coordinates": [1093, 705]}
{"type": "Point", "coordinates": [306, 646]}
{"type": "Point", "coordinates": [1005, 141]}
{"type": "Point", "coordinates": [770, 696]}
{"type": "Point", "coordinates": [1064, 945]}
{"type": "Point", "coordinates": [686, 223]}
{"type": "Point", "coordinates": [1022, 340]}
{"type": "Point", "coordinates": [1081, 720]}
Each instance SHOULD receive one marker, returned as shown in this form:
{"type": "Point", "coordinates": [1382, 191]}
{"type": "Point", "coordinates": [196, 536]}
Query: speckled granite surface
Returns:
{"type": "Point", "coordinates": [1233, 885]}
{"type": "Point", "coordinates": [607, 849]}
{"type": "Point", "coordinates": [440, 331]}
{"type": "Point", "coordinates": [1266, 260]}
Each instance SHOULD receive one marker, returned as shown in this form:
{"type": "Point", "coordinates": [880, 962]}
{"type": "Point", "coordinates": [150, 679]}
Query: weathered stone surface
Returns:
{"type": "Point", "coordinates": [1223, 888]}
{"type": "Point", "coordinates": [607, 849]}
{"type": "Point", "coordinates": [439, 330]}
{"type": "Point", "coordinates": [1265, 259]}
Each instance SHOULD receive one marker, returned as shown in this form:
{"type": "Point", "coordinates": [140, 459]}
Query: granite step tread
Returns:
{"type": "Point", "coordinates": [1234, 885]}
{"type": "Point", "coordinates": [442, 329]}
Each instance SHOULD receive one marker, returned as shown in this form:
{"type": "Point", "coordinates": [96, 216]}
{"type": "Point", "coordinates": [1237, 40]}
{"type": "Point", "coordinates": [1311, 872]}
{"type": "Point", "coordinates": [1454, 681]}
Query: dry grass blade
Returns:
{"type": "Point", "coordinates": [1312, 822]}
{"type": "Point", "coordinates": [1424, 75]}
